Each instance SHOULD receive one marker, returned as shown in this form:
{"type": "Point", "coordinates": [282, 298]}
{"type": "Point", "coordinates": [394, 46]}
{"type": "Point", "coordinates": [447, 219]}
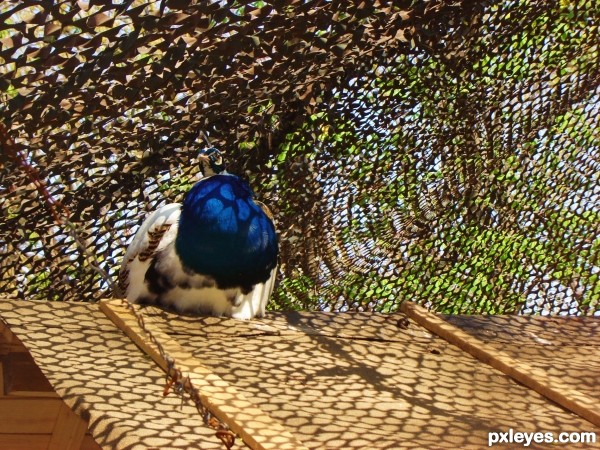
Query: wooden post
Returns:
{"type": "Point", "coordinates": [227, 403]}
{"type": "Point", "coordinates": [533, 377]}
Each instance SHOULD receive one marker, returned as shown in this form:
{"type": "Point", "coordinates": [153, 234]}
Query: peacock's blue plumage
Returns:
{"type": "Point", "coordinates": [216, 253]}
{"type": "Point", "coordinates": [225, 234]}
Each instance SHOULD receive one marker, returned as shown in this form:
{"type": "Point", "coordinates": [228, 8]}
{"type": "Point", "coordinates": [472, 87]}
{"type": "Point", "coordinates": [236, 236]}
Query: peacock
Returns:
{"type": "Point", "coordinates": [216, 253]}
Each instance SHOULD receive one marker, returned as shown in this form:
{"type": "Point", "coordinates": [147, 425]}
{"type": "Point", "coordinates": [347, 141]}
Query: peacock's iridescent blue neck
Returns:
{"type": "Point", "coordinates": [225, 234]}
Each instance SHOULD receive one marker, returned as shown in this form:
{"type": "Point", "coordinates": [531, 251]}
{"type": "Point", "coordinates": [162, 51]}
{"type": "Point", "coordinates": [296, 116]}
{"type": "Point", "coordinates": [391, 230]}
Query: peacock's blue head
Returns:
{"type": "Point", "coordinates": [211, 162]}
{"type": "Point", "coordinates": [224, 233]}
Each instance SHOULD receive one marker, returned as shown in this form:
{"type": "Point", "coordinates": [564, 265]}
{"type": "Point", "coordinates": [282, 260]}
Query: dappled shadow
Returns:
{"type": "Point", "coordinates": [370, 381]}
{"type": "Point", "coordinates": [103, 376]}
{"type": "Point", "coordinates": [339, 381]}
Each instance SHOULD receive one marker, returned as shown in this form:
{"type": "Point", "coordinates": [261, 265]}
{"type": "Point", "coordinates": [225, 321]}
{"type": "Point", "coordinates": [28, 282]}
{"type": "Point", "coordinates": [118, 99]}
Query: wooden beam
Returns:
{"type": "Point", "coordinates": [69, 430]}
{"type": "Point", "coordinates": [28, 415]}
{"type": "Point", "coordinates": [533, 377]}
{"type": "Point", "coordinates": [257, 429]}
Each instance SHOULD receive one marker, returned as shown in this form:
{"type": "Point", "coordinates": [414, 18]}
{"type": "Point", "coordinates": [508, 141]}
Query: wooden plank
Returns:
{"type": "Point", "coordinates": [69, 430]}
{"type": "Point", "coordinates": [28, 415]}
{"type": "Point", "coordinates": [533, 377]}
{"type": "Point", "coordinates": [24, 441]}
{"type": "Point", "coordinates": [257, 429]}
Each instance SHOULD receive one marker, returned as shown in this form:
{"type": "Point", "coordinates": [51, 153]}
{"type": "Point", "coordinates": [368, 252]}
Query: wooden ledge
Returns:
{"type": "Point", "coordinates": [224, 401]}
{"type": "Point", "coordinates": [535, 378]}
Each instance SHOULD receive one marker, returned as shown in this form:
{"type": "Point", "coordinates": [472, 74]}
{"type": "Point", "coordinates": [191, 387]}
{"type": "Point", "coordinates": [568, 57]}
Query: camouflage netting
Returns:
{"type": "Point", "coordinates": [446, 152]}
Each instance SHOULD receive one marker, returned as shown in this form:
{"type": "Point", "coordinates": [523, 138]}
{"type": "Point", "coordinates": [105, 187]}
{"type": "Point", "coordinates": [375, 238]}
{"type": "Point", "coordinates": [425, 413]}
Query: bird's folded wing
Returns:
{"type": "Point", "coordinates": [157, 231]}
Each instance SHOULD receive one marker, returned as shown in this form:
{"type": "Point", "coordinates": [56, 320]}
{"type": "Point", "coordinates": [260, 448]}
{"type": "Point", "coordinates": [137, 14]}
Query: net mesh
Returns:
{"type": "Point", "coordinates": [444, 152]}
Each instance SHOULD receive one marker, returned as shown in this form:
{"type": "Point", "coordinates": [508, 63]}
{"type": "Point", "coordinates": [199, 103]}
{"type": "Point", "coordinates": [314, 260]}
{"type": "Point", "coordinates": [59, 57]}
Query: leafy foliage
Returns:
{"type": "Point", "coordinates": [441, 152]}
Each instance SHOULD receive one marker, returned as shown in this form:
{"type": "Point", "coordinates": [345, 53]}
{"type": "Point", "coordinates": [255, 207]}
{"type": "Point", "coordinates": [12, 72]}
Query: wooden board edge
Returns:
{"type": "Point", "coordinates": [533, 377]}
{"type": "Point", "coordinates": [114, 310]}
{"type": "Point", "coordinates": [272, 434]}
